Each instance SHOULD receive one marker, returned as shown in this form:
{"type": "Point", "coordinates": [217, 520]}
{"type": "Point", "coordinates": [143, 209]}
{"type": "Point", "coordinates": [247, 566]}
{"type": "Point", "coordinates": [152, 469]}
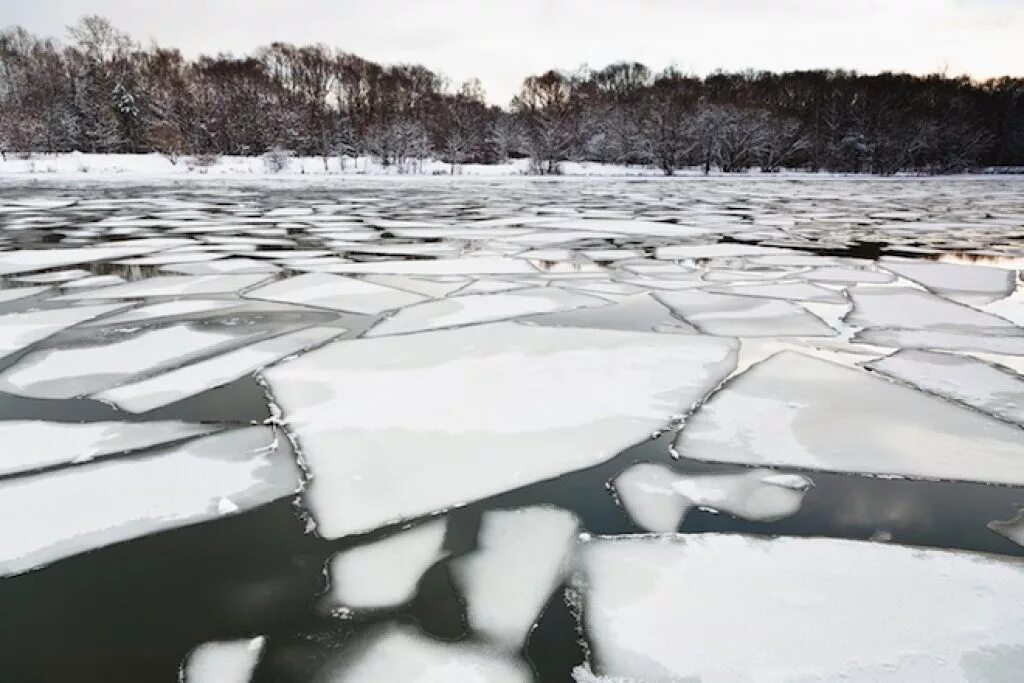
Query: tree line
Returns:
{"type": "Point", "coordinates": [102, 92]}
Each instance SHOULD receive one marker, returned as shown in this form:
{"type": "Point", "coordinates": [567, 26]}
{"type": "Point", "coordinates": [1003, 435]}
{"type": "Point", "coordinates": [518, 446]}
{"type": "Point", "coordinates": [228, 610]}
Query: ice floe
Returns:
{"type": "Point", "coordinates": [522, 556]}
{"type": "Point", "coordinates": [798, 609]}
{"type": "Point", "coordinates": [323, 290]}
{"type": "Point", "coordinates": [384, 573]}
{"type": "Point", "coordinates": [21, 330]}
{"type": "Point", "coordinates": [960, 282]}
{"type": "Point", "coordinates": [796, 291]}
{"type": "Point", "coordinates": [744, 316]}
{"type": "Point", "coordinates": [793, 410]}
{"type": "Point", "coordinates": [1012, 529]}
{"type": "Point", "coordinates": [228, 661]}
{"type": "Point", "coordinates": [173, 285]}
{"type": "Point", "coordinates": [53, 515]}
{"type": "Point", "coordinates": [454, 266]}
{"type": "Point", "coordinates": [905, 308]}
{"type": "Point", "coordinates": [18, 293]}
{"type": "Point", "coordinates": [396, 427]}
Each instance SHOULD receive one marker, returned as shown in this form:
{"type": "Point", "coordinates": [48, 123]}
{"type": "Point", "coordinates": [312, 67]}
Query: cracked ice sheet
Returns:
{"type": "Point", "coordinates": [744, 316]}
{"type": "Point", "coordinates": [172, 285]}
{"type": "Point", "coordinates": [30, 260]}
{"type": "Point", "coordinates": [384, 573]}
{"type": "Point", "coordinates": [796, 411]}
{"type": "Point", "coordinates": [35, 444]}
{"type": "Point", "coordinates": [322, 290]}
{"type": "Point", "coordinates": [18, 293]}
{"type": "Point", "coordinates": [168, 309]}
{"type": "Point", "coordinates": [658, 498]}
{"type": "Point", "coordinates": [67, 372]}
{"type": "Point", "coordinates": [522, 556]}
{"type": "Point", "coordinates": [908, 614]}
{"type": "Point", "coordinates": [959, 282]}
{"type": "Point", "coordinates": [905, 308]}
{"type": "Point", "coordinates": [396, 427]}
{"type": "Point", "coordinates": [454, 266]}
{"type": "Point", "coordinates": [53, 515]}
{"type": "Point", "coordinates": [223, 661]}
{"type": "Point", "coordinates": [796, 291]}
{"type": "Point", "coordinates": [176, 385]}
{"type": "Point", "coordinates": [964, 379]}
{"type": "Point", "coordinates": [401, 654]}
{"type": "Point", "coordinates": [20, 330]}
{"type": "Point", "coordinates": [997, 340]}
{"type": "Point", "coordinates": [479, 308]}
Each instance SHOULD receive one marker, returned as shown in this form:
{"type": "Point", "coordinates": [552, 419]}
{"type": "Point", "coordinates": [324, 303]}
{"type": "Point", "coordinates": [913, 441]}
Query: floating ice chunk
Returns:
{"type": "Point", "coordinates": [610, 254]}
{"type": "Point", "coordinates": [20, 330]}
{"type": "Point", "coordinates": [455, 266]}
{"type": "Point", "coordinates": [230, 661]}
{"type": "Point", "coordinates": [35, 444]}
{"type": "Point", "coordinates": [655, 607]}
{"type": "Point", "coordinates": [228, 265]}
{"type": "Point", "coordinates": [17, 293]}
{"type": "Point", "coordinates": [402, 426]}
{"type": "Point", "coordinates": [639, 313]}
{"type": "Point", "coordinates": [323, 290]}
{"type": "Point", "coordinates": [30, 260]}
{"type": "Point", "coordinates": [485, 286]}
{"type": "Point", "coordinates": [999, 340]}
{"type": "Point", "coordinates": [384, 573]}
{"type": "Point", "coordinates": [522, 556]}
{"type": "Point", "coordinates": [430, 288]}
{"type": "Point", "coordinates": [726, 314]}
{"type": "Point", "coordinates": [796, 291]}
{"type": "Point", "coordinates": [55, 276]}
{"type": "Point", "coordinates": [176, 385]}
{"type": "Point", "coordinates": [168, 257]}
{"type": "Point", "coordinates": [841, 275]}
{"type": "Point", "coordinates": [67, 372]}
{"type": "Point", "coordinates": [901, 307]}
{"type": "Point", "coordinates": [960, 282]}
{"type": "Point", "coordinates": [960, 378]}
{"type": "Point", "coordinates": [796, 411]}
{"type": "Point", "coordinates": [398, 653]}
{"type": "Point", "coordinates": [710, 251]}
{"type": "Point", "coordinates": [169, 309]}
{"type": "Point", "coordinates": [1013, 528]}
{"type": "Point", "coordinates": [658, 499]}
{"type": "Point", "coordinates": [602, 287]}
{"type": "Point", "coordinates": [94, 281]}
{"type": "Point", "coordinates": [173, 285]}
{"type": "Point", "coordinates": [477, 308]}
{"type": "Point", "coordinates": [56, 514]}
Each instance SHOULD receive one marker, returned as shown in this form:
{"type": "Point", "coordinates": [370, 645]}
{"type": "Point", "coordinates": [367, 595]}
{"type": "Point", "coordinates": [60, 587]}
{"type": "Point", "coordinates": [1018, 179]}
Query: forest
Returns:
{"type": "Point", "coordinates": [100, 91]}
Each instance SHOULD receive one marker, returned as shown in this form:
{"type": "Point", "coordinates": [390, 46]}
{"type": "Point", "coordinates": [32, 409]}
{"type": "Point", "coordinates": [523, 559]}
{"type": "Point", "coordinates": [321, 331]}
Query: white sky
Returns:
{"type": "Point", "coordinates": [502, 41]}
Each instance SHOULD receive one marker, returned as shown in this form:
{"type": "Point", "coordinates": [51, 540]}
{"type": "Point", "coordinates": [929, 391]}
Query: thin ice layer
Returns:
{"type": "Point", "coordinates": [20, 330]}
{"type": "Point", "coordinates": [793, 410]}
{"type": "Point", "coordinates": [54, 515]}
{"type": "Point", "coordinates": [31, 260]}
{"type": "Point", "coordinates": [477, 308]}
{"type": "Point", "coordinates": [658, 499]}
{"type": "Point", "coordinates": [521, 557]}
{"type": "Point", "coordinates": [176, 385]}
{"type": "Point", "coordinates": [323, 290]}
{"type": "Point", "coordinates": [396, 427]}
{"type": "Point", "coordinates": [968, 380]}
{"type": "Point", "coordinates": [35, 444]}
{"type": "Point", "coordinates": [66, 372]}
{"type": "Point", "coordinates": [179, 307]}
{"type": "Point", "coordinates": [744, 316]}
{"type": "Point", "coordinates": [799, 609]}
{"type": "Point", "coordinates": [384, 573]}
{"type": "Point", "coordinates": [226, 661]}
{"type": "Point", "coordinates": [399, 653]}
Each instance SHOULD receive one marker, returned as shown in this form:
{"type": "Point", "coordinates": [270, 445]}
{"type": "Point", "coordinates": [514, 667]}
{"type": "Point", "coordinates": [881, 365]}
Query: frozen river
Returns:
{"type": "Point", "coordinates": [715, 429]}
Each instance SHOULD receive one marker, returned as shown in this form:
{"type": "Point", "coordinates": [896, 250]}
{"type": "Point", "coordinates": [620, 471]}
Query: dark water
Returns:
{"type": "Point", "coordinates": [132, 611]}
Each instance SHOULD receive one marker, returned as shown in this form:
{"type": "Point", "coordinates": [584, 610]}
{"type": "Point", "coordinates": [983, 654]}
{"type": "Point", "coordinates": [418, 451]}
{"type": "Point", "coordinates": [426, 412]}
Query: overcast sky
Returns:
{"type": "Point", "coordinates": [501, 41]}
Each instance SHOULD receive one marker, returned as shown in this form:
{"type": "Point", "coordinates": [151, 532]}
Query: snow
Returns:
{"type": "Point", "coordinates": [478, 308]}
{"type": "Point", "coordinates": [57, 514]}
{"type": "Point", "coordinates": [522, 556]}
{"type": "Point", "coordinates": [176, 385]}
{"type": "Point", "coordinates": [21, 330]}
{"type": "Point", "coordinates": [791, 609]}
{"type": "Point", "coordinates": [967, 380]}
{"type": "Point", "coordinates": [401, 654]}
{"type": "Point", "coordinates": [36, 444]}
{"type": "Point", "coordinates": [1012, 529]}
{"type": "Point", "coordinates": [231, 661]}
{"type": "Point", "coordinates": [726, 314]}
{"type": "Point", "coordinates": [396, 427]}
{"type": "Point", "coordinates": [960, 282]}
{"type": "Point", "coordinates": [658, 499]}
{"type": "Point", "coordinates": [67, 372]}
{"type": "Point", "coordinates": [173, 285]}
{"type": "Point", "coordinates": [384, 573]}
{"type": "Point", "coordinates": [322, 290]}
{"type": "Point", "coordinates": [793, 410]}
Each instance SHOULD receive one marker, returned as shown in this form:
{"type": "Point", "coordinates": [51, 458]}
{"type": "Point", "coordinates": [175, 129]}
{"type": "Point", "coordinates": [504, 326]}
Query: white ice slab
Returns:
{"type": "Point", "coordinates": [67, 372]}
{"type": "Point", "coordinates": [400, 654]}
{"type": "Point", "coordinates": [998, 340]}
{"type": "Point", "coordinates": [843, 275]}
{"type": "Point", "coordinates": [173, 285]}
{"type": "Point", "coordinates": [744, 316]}
{"type": "Point", "coordinates": [715, 251]}
{"type": "Point", "coordinates": [31, 260]}
{"type": "Point", "coordinates": [454, 266]}
{"type": "Point", "coordinates": [904, 308]}
{"type": "Point", "coordinates": [171, 309]}
{"type": "Point", "coordinates": [522, 556]}
{"type": "Point", "coordinates": [639, 313]}
{"type": "Point", "coordinates": [18, 293]}
{"type": "Point", "coordinates": [799, 609]}
{"type": "Point", "coordinates": [797, 411]}
{"type": "Point", "coordinates": [20, 330]}
{"type": "Point", "coordinates": [968, 380]}
{"type": "Point", "coordinates": [793, 291]}
{"type": "Point", "coordinates": [431, 288]}
{"type": "Point", "coordinates": [960, 282]}
{"type": "Point", "coordinates": [227, 265]}
{"type": "Point", "coordinates": [323, 290]}
{"type": "Point", "coordinates": [396, 427]}
{"type": "Point", "coordinates": [93, 281]}
{"type": "Point", "coordinates": [53, 515]}
{"type": "Point", "coordinates": [226, 661]}
{"type": "Point", "coordinates": [384, 573]}
{"type": "Point", "coordinates": [55, 276]}
{"type": "Point", "coordinates": [35, 444]}
{"type": "Point", "coordinates": [1012, 529]}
